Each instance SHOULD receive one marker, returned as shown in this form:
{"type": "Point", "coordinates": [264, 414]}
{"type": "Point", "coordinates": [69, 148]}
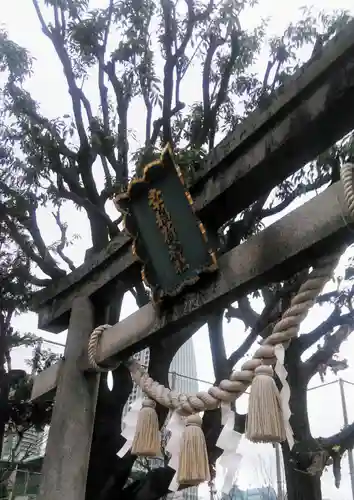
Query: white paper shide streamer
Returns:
{"type": "Point", "coordinates": [282, 374]}
{"type": "Point", "coordinates": [229, 441]}
{"type": "Point", "coordinates": [129, 423]}
{"type": "Point", "coordinates": [176, 428]}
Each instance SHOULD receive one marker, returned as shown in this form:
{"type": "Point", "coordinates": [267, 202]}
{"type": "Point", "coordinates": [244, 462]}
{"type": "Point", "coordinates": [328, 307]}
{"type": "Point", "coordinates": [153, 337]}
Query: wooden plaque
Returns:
{"type": "Point", "coordinates": [167, 236]}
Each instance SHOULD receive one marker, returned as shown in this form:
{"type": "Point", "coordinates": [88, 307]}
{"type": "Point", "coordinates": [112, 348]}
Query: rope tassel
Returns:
{"type": "Point", "coordinates": [193, 460]}
{"type": "Point", "coordinates": [265, 423]}
{"type": "Point", "coordinates": [147, 439]}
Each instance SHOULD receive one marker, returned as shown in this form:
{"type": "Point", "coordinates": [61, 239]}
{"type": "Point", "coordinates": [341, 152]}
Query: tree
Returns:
{"type": "Point", "coordinates": [146, 50]}
{"type": "Point", "coordinates": [17, 414]}
{"type": "Point", "coordinates": [14, 294]}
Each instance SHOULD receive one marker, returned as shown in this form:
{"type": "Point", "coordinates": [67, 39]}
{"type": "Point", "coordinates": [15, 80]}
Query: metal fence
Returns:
{"type": "Point", "coordinates": [19, 484]}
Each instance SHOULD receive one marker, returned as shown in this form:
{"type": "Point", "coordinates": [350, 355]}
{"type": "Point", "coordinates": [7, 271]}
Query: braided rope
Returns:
{"type": "Point", "coordinates": [283, 332]}
{"type": "Point", "coordinates": [230, 390]}
{"type": "Point", "coordinates": [347, 178]}
{"type": "Point", "coordinates": [92, 350]}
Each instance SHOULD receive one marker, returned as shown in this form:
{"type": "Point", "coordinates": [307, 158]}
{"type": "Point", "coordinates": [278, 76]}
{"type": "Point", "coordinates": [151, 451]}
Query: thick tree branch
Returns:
{"type": "Point", "coordinates": [74, 91]}
{"type": "Point", "coordinates": [210, 120]}
{"type": "Point", "coordinates": [214, 43]}
{"type": "Point", "coordinates": [243, 349]}
{"type": "Point", "coordinates": [159, 122]}
{"type": "Point", "coordinates": [262, 327]}
{"type": "Point", "coordinates": [190, 23]}
{"type": "Point", "coordinates": [123, 96]}
{"type": "Point", "coordinates": [301, 189]}
{"type": "Point", "coordinates": [250, 317]}
{"type": "Point", "coordinates": [38, 282]}
{"type": "Point", "coordinates": [58, 42]}
{"type": "Point", "coordinates": [344, 439]}
{"type": "Point", "coordinates": [335, 446]}
{"type": "Point", "coordinates": [309, 339]}
{"type": "Point", "coordinates": [168, 41]}
{"type": "Point", "coordinates": [91, 209]}
{"type": "Point", "coordinates": [44, 123]}
{"type": "Point", "coordinates": [60, 247]}
{"type": "Point", "coordinates": [217, 346]}
{"type": "Point", "coordinates": [43, 264]}
{"type": "Point", "coordinates": [264, 322]}
{"type": "Point", "coordinates": [103, 92]}
{"type": "Point", "coordinates": [331, 346]}
{"type": "Point", "coordinates": [41, 18]}
{"type": "Point", "coordinates": [85, 154]}
{"type": "Point", "coordinates": [243, 228]}
{"type": "Point", "coordinates": [68, 175]}
{"type": "Point", "coordinates": [31, 225]}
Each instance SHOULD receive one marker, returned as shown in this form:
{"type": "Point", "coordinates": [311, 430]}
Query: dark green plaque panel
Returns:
{"type": "Point", "coordinates": [168, 238]}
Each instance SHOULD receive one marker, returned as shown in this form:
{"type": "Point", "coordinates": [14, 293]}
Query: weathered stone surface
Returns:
{"type": "Point", "coordinates": [315, 229]}
{"type": "Point", "coordinates": [45, 383]}
{"type": "Point", "coordinates": [65, 466]}
{"type": "Point", "coordinates": [287, 246]}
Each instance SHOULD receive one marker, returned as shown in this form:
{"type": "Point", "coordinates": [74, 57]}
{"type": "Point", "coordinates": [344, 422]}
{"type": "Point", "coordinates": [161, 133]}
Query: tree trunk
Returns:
{"type": "Point", "coordinates": [108, 473]}
{"type": "Point", "coordinates": [4, 382]}
{"type": "Point", "coordinates": [4, 396]}
{"type": "Point", "coordinates": [99, 233]}
{"type": "Point", "coordinates": [300, 485]}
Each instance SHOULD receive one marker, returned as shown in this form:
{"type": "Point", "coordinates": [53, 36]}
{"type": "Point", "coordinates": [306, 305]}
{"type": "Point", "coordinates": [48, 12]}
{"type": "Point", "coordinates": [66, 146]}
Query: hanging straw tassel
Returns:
{"type": "Point", "coordinates": [193, 460]}
{"type": "Point", "coordinates": [265, 422]}
{"type": "Point", "coordinates": [147, 439]}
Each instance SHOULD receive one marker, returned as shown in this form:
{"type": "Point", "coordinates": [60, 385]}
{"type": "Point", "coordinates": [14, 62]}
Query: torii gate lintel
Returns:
{"type": "Point", "coordinates": [308, 116]}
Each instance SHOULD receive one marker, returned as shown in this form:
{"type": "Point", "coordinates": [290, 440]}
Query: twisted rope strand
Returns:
{"type": "Point", "coordinates": [92, 350]}
{"type": "Point", "coordinates": [347, 178]}
{"type": "Point", "coordinates": [283, 332]}
{"type": "Point", "coordinates": [230, 390]}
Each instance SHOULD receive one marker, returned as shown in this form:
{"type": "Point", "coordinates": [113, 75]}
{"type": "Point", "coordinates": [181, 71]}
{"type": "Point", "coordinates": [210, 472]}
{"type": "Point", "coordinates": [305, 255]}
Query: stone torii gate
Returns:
{"type": "Point", "coordinates": [307, 116]}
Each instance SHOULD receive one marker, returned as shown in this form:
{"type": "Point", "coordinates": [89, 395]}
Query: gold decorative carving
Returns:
{"type": "Point", "coordinates": [165, 225]}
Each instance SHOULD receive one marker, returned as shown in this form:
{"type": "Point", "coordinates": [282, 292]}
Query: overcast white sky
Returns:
{"type": "Point", "coordinates": [48, 87]}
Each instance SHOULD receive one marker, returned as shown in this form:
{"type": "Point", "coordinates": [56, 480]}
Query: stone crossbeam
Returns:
{"type": "Point", "coordinates": [308, 115]}
{"type": "Point", "coordinates": [288, 245]}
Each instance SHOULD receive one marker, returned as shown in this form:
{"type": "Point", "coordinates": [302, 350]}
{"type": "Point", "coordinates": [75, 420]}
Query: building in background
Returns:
{"type": "Point", "coordinates": [32, 446]}
{"type": "Point", "coordinates": [183, 378]}
{"type": "Point", "coordinates": [264, 493]}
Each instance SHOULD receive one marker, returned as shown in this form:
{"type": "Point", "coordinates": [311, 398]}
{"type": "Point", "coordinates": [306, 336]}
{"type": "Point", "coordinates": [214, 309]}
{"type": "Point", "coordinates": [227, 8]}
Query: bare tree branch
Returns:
{"type": "Point", "coordinates": [60, 247]}
{"type": "Point", "coordinates": [38, 282]}
{"type": "Point", "coordinates": [301, 189]}
{"type": "Point", "coordinates": [344, 439]}
{"type": "Point", "coordinates": [309, 339]}
{"type": "Point", "coordinates": [243, 349]}
{"type": "Point", "coordinates": [45, 265]}
{"type": "Point", "coordinates": [90, 208]}
{"type": "Point", "coordinates": [170, 61]}
{"type": "Point", "coordinates": [250, 317]}
{"type": "Point", "coordinates": [265, 321]}
{"type": "Point", "coordinates": [335, 446]}
{"type": "Point", "coordinates": [331, 346]}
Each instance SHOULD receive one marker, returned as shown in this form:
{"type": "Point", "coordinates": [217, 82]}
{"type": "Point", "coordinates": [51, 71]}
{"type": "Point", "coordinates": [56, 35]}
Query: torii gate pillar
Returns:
{"type": "Point", "coordinates": [65, 468]}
